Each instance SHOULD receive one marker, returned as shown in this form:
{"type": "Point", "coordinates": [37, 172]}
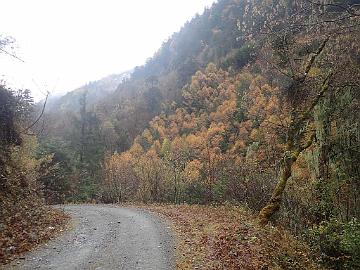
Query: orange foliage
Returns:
{"type": "Point", "coordinates": [202, 142]}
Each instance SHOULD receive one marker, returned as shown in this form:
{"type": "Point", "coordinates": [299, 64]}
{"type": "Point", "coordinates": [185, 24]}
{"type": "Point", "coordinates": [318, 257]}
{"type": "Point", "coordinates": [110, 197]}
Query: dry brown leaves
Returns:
{"type": "Point", "coordinates": [28, 228]}
{"type": "Point", "coordinates": [228, 237]}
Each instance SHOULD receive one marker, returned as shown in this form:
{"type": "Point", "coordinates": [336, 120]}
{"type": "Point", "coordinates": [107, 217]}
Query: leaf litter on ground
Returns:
{"type": "Point", "coordinates": [228, 237]}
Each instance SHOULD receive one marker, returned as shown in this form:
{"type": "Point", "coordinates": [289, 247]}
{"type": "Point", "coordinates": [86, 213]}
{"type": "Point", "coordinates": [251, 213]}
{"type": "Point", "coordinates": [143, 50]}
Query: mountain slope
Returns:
{"type": "Point", "coordinates": [157, 86]}
{"type": "Point", "coordinates": [95, 91]}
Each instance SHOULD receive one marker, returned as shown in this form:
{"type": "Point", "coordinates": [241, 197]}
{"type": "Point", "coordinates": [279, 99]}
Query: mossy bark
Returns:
{"type": "Point", "coordinates": [290, 157]}
{"type": "Point", "coordinates": [274, 204]}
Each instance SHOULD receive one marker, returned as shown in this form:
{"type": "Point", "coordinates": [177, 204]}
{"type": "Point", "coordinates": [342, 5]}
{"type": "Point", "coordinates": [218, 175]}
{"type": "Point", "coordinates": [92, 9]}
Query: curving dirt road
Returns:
{"type": "Point", "coordinates": [106, 237]}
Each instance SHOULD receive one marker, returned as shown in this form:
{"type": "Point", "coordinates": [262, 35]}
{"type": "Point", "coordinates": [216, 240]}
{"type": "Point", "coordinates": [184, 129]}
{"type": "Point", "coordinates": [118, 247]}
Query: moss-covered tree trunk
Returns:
{"type": "Point", "coordinates": [274, 204]}
{"type": "Point", "coordinates": [297, 133]}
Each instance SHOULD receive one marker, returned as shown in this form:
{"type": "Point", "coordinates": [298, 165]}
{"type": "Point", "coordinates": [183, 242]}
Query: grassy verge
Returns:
{"type": "Point", "coordinates": [228, 237]}
{"type": "Point", "coordinates": [28, 228]}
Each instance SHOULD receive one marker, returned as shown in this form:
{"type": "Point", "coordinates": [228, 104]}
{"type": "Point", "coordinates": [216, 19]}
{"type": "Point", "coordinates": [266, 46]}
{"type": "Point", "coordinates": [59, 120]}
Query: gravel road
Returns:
{"type": "Point", "coordinates": [106, 237]}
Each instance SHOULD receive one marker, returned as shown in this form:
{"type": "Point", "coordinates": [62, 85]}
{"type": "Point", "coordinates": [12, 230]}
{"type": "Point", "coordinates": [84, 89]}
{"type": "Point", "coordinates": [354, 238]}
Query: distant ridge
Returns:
{"type": "Point", "coordinates": [96, 90]}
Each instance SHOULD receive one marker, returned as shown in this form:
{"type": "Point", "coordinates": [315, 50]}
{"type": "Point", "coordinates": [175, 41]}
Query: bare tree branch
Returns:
{"type": "Point", "coordinates": [348, 9]}
{"type": "Point", "coordinates": [324, 88]}
{"type": "Point", "coordinates": [12, 55]}
{"type": "Point", "coordinates": [313, 57]}
{"type": "Point", "coordinates": [39, 117]}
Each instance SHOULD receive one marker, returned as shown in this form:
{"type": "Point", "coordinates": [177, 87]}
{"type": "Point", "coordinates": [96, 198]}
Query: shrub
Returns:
{"type": "Point", "coordinates": [338, 243]}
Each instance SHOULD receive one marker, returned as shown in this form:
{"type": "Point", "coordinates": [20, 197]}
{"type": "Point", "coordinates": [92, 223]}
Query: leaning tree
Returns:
{"type": "Point", "coordinates": [311, 48]}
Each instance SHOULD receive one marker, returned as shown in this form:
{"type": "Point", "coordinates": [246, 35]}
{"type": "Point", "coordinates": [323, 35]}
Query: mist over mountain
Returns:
{"type": "Point", "coordinates": [95, 90]}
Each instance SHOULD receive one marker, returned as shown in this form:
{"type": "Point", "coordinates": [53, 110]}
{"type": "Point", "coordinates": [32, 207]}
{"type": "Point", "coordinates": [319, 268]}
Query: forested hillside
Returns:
{"type": "Point", "coordinates": [85, 126]}
{"type": "Point", "coordinates": [25, 220]}
{"type": "Point", "coordinates": [156, 86]}
{"type": "Point", "coordinates": [253, 102]}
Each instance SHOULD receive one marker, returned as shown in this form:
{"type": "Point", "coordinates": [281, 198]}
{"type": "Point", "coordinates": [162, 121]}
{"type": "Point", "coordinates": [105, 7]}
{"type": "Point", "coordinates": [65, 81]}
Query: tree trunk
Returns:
{"type": "Point", "coordinates": [175, 187]}
{"type": "Point", "coordinates": [274, 204]}
{"type": "Point", "coordinates": [291, 155]}
{"type": "Point", "coordinates": [323, 207]}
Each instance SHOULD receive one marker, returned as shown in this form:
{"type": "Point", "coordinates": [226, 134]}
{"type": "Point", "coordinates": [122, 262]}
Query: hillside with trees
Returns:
{"type": "Point", "coordinates": [25, 220]}
{"type": "Point", "coordinates": [252, 102]}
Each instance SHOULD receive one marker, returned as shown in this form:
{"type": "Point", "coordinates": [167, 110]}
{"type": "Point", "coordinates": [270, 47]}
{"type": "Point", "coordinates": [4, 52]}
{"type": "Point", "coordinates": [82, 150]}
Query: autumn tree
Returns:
{"type": "Point", "coordinates": [120, 182]}
{"type": "Point", "coordinates": [176, 154]}
{"type": "Point", "coordinates": [150, 171]}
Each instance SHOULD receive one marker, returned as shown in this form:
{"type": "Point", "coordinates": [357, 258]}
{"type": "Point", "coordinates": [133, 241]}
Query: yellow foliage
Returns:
{"type": "Point", "coordinates": [254, 134]}
{"type": "Point", "coordinates": [136, 150]}
{"type": "Point", "coordinates": [314, 71]}
{"type": "Point", "coordinates": [147, 135]}
{"type": "Point", "coordinates": [195, 142]}
{"type": "Point", "coordinates": [192, 171]}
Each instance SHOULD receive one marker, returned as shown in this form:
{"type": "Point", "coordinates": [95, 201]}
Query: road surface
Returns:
{"type": "Point", "coordinates": [106, 237]}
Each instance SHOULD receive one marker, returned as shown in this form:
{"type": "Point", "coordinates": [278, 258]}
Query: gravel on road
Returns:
{"type": "Point", "coordinates": [106, 237]}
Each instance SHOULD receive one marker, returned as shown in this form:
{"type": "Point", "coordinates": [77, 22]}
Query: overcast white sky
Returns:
{"type": "Point", "coordinates": [67, 43]}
